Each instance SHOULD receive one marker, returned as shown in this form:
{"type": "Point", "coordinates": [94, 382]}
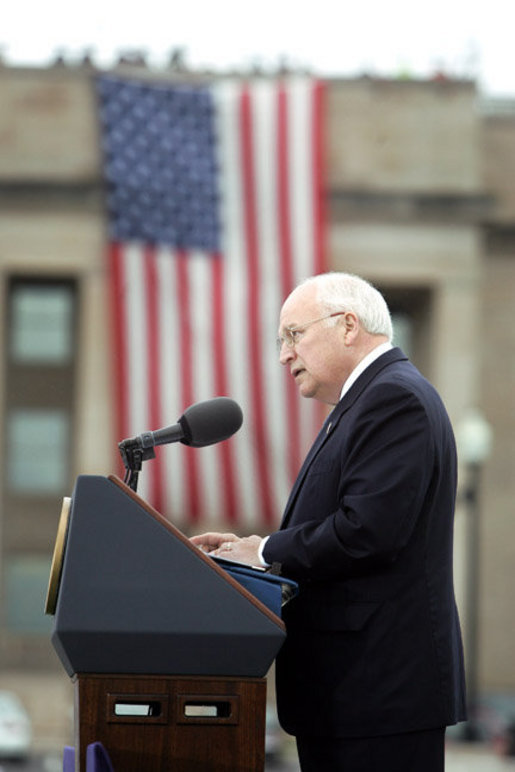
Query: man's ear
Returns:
{"type": "Point", "coordinates": [351, 324]}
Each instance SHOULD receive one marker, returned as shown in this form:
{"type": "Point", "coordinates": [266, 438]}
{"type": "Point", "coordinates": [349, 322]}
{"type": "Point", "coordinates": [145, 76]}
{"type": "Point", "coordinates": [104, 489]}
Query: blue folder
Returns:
{"type": "Point", "coordinates": [272, 590]}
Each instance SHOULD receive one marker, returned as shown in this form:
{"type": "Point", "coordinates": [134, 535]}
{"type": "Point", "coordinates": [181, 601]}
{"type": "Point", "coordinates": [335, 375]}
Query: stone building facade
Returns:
{"type": "Point", "coordinates": [421, 200]}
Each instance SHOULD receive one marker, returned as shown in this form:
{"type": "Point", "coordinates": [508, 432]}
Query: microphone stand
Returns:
{"type": "Point", "coordinates": [133, 453]}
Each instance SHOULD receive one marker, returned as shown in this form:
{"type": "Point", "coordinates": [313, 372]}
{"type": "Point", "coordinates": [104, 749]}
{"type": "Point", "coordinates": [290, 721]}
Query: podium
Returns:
{"type": "Point", "coordinates": [168, 651]}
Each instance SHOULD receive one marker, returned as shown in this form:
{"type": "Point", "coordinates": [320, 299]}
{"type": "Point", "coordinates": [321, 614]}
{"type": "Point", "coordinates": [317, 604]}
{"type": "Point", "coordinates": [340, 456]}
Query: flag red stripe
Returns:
{"type": "Point", "coordinates": [219, 333]}
{"type": "Point", "coordinates": [117, 306]}
{"type": "Point", "coordinates": [319, 204]}
{"type": "Point", "coordinates": [226, 449]}
{"type": "Point", "coordinates": [286, 261]}
{"type": "Point", "coordinates": [253, 290]}
{"type": "Point", "coordinates": [182, 293]}
{"type": "Point", "coordinates": [283, 174]}
{"type": "Point", "coordinates": [317, 152]}
{"type": "Point", "coordinates": [154, 410]}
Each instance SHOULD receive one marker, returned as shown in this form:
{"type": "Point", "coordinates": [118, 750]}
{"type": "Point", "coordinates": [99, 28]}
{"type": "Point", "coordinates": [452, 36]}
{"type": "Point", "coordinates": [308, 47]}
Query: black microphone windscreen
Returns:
{"type": "Point", "coordinates": [213, 420]}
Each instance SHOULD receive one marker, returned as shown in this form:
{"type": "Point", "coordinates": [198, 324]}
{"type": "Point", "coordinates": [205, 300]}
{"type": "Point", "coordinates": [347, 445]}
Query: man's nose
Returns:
{"type": "Point", "coordinates": [286, 353]}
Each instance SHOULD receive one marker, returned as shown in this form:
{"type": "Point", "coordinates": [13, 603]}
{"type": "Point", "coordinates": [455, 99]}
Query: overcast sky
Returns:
{"type": "Point", "coordinates": [330, 37]}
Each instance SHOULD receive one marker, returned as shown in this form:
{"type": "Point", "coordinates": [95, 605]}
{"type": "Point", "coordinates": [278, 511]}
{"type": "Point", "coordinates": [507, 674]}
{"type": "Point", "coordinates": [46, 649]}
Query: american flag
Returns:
{"type": "Point", "coordinates": [215, 205]}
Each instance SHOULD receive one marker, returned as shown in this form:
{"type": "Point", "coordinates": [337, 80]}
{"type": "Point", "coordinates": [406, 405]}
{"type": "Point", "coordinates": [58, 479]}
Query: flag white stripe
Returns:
{"type": "Point", "coordinates": [301, 177]}
{"type": "Point", "coordinates": [201, 315]}
{"type": "Point", "coordinates": [173, 457]}
{"type": "Point", "coordinates": [266, 125]}
{"type": "Point", "coordinates": [235, 282]}
{"type": "Point", "coordinates": [301, 196]}
{"type": "Point", "coordinates": [136, 325]}
{"type": "Point", "coordinates": [136, 322]}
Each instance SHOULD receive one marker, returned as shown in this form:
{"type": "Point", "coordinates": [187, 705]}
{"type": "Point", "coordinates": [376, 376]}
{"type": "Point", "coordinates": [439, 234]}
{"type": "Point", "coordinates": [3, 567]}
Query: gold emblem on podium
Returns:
{"type": "Point", "coordinates": [57, 559]}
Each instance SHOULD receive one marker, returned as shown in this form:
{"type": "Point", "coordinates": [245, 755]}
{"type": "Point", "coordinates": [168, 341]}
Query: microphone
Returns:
{"type": "Point", "coordinates": [203, 423]}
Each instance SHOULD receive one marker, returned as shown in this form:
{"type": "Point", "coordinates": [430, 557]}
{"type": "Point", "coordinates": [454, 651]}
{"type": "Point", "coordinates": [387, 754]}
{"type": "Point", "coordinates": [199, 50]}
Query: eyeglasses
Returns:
{"type": "Point", "coordinates": [292, 335]}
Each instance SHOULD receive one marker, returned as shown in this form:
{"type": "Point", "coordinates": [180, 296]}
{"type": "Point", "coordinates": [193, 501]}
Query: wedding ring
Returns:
{"type": "Point", "coordinates": [227, 547]}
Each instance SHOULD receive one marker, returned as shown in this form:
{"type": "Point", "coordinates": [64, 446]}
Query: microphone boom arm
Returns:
{"type": "Point", "coordinates": [201, 424]}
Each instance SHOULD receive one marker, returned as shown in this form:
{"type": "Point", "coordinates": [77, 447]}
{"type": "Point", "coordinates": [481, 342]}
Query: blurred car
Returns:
{"type": "Point", "coordinates": [15, 728]}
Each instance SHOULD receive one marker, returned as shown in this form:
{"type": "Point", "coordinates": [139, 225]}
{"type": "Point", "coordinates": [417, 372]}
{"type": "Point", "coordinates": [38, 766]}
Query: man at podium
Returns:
{"type": "Point", "coordinates": [371, 671]}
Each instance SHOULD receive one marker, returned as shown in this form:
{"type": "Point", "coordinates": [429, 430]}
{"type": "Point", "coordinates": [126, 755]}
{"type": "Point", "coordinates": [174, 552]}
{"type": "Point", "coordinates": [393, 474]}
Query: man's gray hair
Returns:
{"type": "Point", "coordinates": [346, 292]}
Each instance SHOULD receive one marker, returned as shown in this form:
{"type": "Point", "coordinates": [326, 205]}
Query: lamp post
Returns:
{"type": "Point", "coordinates": [474, 445]}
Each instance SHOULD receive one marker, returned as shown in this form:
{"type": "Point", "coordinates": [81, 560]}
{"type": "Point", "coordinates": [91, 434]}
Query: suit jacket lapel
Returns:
{"type": "Point", "coordinates": [335, 416]}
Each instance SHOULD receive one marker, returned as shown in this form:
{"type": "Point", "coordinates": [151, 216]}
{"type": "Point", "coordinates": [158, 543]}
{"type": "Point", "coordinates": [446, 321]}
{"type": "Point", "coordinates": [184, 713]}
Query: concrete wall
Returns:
{"type": "Point", "coordinates": [498, 161]}
{"type": "Point", "coordinates": [47, 125]}
{"type": "Point", "coordinates": [403, 136]}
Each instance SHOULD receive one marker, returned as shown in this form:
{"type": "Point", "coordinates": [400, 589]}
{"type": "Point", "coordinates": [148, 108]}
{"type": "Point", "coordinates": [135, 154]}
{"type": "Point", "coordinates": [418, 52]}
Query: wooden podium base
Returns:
{"type": "Point", "coordinates": [161, 723]}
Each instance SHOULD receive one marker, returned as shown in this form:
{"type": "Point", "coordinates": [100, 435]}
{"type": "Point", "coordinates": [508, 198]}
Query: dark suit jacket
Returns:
{"type": "Point", "coordinates": [374, 643]}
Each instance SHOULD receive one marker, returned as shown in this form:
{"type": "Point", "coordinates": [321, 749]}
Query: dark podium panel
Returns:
{"type": "Point", "coordinates": [132, 595]}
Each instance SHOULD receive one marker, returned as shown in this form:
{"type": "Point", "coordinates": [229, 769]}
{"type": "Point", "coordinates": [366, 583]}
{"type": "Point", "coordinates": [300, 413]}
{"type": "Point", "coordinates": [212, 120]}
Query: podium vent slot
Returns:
{"type": "Point", "coordinates": [140, 709]}
{"type": "Point", "coordinates": [207, 709]}
{"type": "Point", "coordinates": [137, 708]}
{"type": "Point", "coordinates": [211, 710]}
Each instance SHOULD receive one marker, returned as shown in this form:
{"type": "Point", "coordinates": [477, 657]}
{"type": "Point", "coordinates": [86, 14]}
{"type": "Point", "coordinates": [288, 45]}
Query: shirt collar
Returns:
{"type": "Point", "coordinates": [382, 348]}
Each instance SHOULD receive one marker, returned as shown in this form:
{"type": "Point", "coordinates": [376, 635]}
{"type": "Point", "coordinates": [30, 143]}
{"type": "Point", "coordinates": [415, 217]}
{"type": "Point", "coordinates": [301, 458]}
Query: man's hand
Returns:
{"type": "Point", "coordinates": [228, 545]}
